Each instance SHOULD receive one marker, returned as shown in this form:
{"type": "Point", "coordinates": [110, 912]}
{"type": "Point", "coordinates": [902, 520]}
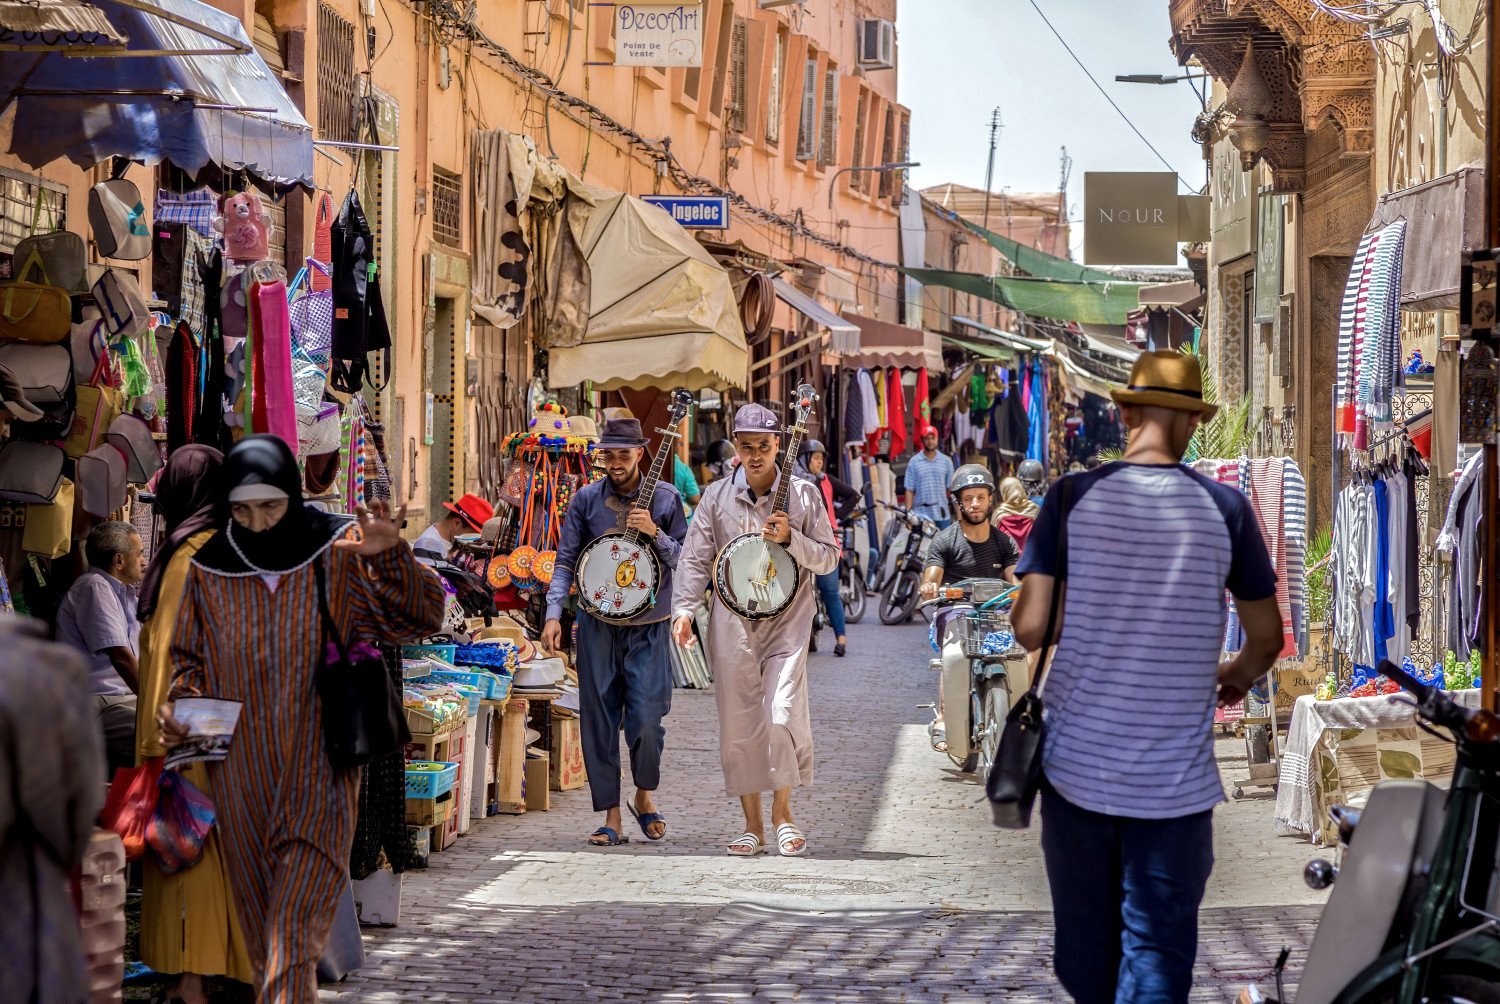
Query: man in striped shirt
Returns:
{"type": "Point", "coordinates": [1143, 550]}
{"type": "Point", "coordinates": [927, 476]}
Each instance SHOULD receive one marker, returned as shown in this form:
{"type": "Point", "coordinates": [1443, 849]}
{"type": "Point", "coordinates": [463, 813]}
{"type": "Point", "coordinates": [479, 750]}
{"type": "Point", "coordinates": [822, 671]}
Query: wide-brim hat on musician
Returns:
{"type": "Point", "coordinates": [474, 510]}
{"type": "Point", "coordinates": [1166, 379]}
{"type": "Point", "coordinates": [756, 418]}
{"type": "Point", "coordinates": [621, 434]}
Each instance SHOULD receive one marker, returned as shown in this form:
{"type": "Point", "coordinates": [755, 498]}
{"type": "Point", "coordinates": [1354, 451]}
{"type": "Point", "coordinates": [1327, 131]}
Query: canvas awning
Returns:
{"type": "Point", "coordinates": [843, 336]}
{"type": "Point", "coordinates": [1444, 218]}
{"type": "Point", "coordinates": [1087, 302]}
{"type": "Point", "coordinates": [661, 310]}
{"type": "Point", "coordinates": [1107, 343]}
{"type": "Point", "coordinates": [1009, 338]}
{"type": "Point", "coordinates": [56, 26]}
{"type": "Point", "coordinates": [882, 343]}
{"type": "Point", "coordinates": [190, 88]}
{"type": "Point", "coordinates": [1164, 295]}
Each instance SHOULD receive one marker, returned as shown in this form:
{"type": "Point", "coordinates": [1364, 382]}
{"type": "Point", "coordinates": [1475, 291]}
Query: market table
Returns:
{"type": "Point", "coordinates": [1338, 750]}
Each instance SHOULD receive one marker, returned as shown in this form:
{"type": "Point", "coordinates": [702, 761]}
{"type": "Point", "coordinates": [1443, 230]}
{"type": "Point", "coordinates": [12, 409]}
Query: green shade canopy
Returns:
{"type": "Point", "coordinates": [1038, 263]}
{"type": "Point", "coordinates": [1087, 302]}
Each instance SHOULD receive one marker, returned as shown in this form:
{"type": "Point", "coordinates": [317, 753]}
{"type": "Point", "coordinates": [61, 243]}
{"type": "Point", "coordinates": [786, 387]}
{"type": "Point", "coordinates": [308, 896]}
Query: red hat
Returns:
{"type": "Point", "coordinates": [474, 510]}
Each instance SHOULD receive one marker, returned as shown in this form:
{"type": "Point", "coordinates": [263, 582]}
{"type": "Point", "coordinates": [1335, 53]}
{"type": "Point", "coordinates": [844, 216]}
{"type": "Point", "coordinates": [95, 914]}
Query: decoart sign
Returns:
{"type": "Point", "coordinates": [1137, 218]}
{"type": "Point", "coordinates": [659, 34]}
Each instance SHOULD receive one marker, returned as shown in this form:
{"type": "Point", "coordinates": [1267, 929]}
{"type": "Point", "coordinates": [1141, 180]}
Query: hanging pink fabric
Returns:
{"type": "Point", "coordinates": [321, 282]}
{"type": "Point", "coordinates": [273, 408]}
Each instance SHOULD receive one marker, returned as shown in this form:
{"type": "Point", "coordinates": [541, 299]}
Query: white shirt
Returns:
{"type": "Point", "coordinates": [432, 540]}
{"type": "Point", "coordinates": [98, 614]}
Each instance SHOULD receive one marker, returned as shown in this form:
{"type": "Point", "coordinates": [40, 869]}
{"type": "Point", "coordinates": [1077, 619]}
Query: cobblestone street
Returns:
{"type": "Point", "coordinates": [909, 892]}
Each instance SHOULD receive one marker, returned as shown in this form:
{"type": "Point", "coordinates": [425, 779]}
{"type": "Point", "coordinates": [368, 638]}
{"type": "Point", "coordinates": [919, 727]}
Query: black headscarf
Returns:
{"type": "Point", "coordinates": [187, 496]}
{"type": "Point", "coordinates": [302, 534]}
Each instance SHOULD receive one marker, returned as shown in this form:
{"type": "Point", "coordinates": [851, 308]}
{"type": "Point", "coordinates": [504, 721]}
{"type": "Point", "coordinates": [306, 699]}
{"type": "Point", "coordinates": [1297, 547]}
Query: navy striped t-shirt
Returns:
{"type": "Point", "coordinates": [1131, 691]}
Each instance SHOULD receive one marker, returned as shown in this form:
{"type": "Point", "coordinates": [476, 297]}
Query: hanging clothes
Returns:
{"type": "Point", "coordinates": [359, 324]}
{"type": "Point", "coordinates": [854, 410]}
{"type": "Point", "coordinates": [209, 428]}
{"type": "Point", "coordinates": [869, 400]}
{"type": "Point", "coordinates": [1264, 479]}
{"type": "Point", "coordinates": [1036, 416]}
{"type": "Point", "coordinates": [921, 404]}
{"type": "Point", "coordinates": [1369, 338]}
{"type": "Point", "coordinates": [895, 411]}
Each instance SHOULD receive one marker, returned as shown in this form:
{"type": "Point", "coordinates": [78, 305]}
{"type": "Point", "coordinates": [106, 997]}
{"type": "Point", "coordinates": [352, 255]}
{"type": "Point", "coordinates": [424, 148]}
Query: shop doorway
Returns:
{"type": "Point", "coordinates": [438, 422]}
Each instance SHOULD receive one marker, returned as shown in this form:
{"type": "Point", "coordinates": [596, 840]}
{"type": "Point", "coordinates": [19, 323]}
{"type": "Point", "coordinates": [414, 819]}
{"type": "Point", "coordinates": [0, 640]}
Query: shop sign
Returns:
{"type": "Point", "coordinates": [696, 212]}
{"type": "Point", "coordinates": [1233, 205]}
{"type": "Point", "coordinates": [1136, 218]}
{"type": "Point", "coordinates": [659, 34]}
{"type": "Point", "coordinates": [1268, 257]}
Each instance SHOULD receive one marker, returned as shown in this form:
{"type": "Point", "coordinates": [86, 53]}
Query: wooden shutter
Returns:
{"type": "Point", "coordinates": [739, 56]}
{"type": "Point", "coordinates": [828, 148]}
{"type": "Point", "coordinates": [807, 126]}
{"type": "Point", "coordinates": [861, 109]}
{"type": "Point", "coordinates": [773, 92]}
{"type": "Point", "coordinates": [268, 45]}
{"type": "Point", "coordinates": [888, 152]}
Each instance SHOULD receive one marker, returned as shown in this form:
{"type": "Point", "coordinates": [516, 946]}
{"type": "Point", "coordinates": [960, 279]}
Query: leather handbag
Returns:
{"type": "Point", "coordinates": [117, 217]}
{"type": "Point", "coordinates": [101, 481]}
{"type": "Point", "coordinates": [131, 435]}
{"type": "Point", "coordinates": [49, 528]}
{"type": "Point", "coordinates": [30, 472]}
{"type": "Point", "coordinates": [1016, 773]}
{"type": "Point", "coordinates": [121, 305]}
{"type": "Point", "coordinates": [99, 404]}
{"type": "Point", "coordinates": [362, 714]}
{"type": "Point", "coordinates": [34, 312]}
{"type": "Point", "coordinates": [45, 371]}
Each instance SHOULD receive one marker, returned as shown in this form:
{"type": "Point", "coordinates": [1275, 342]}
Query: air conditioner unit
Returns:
{"type": "Point", "coordinates": [877, 43]}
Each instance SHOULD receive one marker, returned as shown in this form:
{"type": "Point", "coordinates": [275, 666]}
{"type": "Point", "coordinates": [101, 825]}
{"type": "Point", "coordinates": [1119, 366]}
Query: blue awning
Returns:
{"type": "Point", "coordinates": [190, 89]}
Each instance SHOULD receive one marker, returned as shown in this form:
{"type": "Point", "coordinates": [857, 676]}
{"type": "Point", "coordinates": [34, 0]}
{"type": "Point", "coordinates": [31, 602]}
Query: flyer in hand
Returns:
{"type": "Point", "coordinates": [210, 723]}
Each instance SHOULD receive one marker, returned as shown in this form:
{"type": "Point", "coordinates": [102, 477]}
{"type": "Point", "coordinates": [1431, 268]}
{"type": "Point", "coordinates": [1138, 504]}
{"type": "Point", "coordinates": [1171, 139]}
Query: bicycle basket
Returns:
{"type": "Point", "coordinates": [987, 632]}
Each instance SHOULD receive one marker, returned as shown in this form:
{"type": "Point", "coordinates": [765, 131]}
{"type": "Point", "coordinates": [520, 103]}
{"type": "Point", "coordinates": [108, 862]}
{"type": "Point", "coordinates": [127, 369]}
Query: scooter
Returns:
{"type": "Point", "coordinates": [900, 591]}
{"type": "Point", "coordinates": [1414, 915]}
{"type": "Point", "coordinates": [980, 667]}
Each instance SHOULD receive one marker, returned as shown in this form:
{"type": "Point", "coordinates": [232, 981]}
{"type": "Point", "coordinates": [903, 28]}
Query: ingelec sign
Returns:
{"type": "Point", "coordinates": [1137, 218]}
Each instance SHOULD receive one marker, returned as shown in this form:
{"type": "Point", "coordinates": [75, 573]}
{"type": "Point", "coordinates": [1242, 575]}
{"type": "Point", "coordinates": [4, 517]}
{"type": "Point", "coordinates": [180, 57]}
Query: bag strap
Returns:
{"type": "Point", "coordinates": [34, 261]}
{"type": "Point", "coordinates": [36, 211]}
{"type": "Point", "coordinates": [330, 629]}
{"type": "Point", "coordinates": [1050, 639]}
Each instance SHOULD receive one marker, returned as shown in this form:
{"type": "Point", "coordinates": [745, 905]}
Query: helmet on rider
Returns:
{"type": "Point", "coordinates": [812, 446]}
{"type": "Point", "coordinates": [972, 476]}
{"type": "Point", "coordinates": [1032, 476]}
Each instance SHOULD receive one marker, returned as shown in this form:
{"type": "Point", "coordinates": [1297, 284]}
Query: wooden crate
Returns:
{"type": "Point", "coordinates": [538, 794]}
{"type": "Point", "coordinates": [429, 811]}
{"type": "Point", "coordinates": [510, 766]}
{"type": "Point", "coordinates": [566, 756]}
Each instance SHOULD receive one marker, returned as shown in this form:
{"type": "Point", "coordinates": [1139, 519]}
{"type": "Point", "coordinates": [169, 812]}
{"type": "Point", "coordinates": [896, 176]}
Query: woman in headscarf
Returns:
{"type": "Point", "coordinates": [250, 630]}
{"type": "Point", "coordinates": [1016, 512]}
{"type": "Point", "coordinates": [188, 921]}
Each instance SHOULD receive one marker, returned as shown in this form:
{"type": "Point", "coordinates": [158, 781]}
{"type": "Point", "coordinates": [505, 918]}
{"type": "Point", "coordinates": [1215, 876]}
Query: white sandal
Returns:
{"type": "Point", "coordinates": [738, 849]}
{"type": "Point", "coordinates": [785, 834]}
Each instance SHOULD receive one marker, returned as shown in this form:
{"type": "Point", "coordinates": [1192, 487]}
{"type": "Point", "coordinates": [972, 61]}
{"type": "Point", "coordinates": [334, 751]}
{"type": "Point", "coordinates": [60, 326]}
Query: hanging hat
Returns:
{"type": "Point", "coordinates": [13, 397]}
{"type": "Point", "coordinates": [582, 427]}
{"type": "Point", "coordinates": [1166, 379]}
{"type": "Point", "coordinates": [621, 433]}
{"type": "Point", "coordinates": [475, 511]}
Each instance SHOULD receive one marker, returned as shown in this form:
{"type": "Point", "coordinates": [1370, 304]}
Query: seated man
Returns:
{"type": "Point", "coordinates": [467, 515]}
{"type": "Point", "coordinates": [972, 548]}
{"type": "Point", "coordinates": [97, 617]}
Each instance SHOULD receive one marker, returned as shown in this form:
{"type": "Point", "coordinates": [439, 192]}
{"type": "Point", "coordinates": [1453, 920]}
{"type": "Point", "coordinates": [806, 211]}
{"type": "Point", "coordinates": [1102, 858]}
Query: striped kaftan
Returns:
{"type": "Point", "coordinates": [285, 815]}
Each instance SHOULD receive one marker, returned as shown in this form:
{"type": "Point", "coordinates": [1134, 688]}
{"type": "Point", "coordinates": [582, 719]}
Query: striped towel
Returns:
{"type": "Point", "coordinates": [1375, 375]}
{"type": "Point", "coordinates": [1267, 477]}
{"type": "Point", "coordinates": [1351, 318]}
{"type": "Point", "coordinates": [1294, 518]}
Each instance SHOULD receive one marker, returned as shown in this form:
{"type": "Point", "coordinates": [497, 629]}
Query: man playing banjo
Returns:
{"type": "Point", "coordinates": [760, 665]}
{"type": "Point", "coordinates": [624, 668]}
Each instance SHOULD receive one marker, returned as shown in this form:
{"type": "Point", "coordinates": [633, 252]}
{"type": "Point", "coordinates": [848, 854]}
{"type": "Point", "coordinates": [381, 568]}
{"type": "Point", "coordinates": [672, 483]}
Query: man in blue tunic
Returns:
{"type": "Point", "coordinates": [624, 670]}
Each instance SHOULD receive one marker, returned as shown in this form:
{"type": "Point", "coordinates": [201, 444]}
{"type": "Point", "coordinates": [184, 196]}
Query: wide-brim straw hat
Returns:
{"type": "Point", "coordinates": [1166, 379]}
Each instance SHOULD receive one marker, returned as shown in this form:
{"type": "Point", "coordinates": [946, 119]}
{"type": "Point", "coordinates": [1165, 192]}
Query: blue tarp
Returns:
{"type": "Point", "coordinates": [147, 108]}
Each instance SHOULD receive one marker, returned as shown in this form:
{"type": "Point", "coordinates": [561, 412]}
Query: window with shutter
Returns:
{"type": "Point", "coordinates": [722, 59]}
{"type": "Point", "coordinates": [739, 76]}
{"type": "Point", "coordinates": [268, 44]}
{"type": "Point", "coordinates": [887, 152]}
{"type": "Point", "coordinates": [903, 153]}
{"type": "Point", "coordinates": [336, 87]}
{"type": "Point", "coordinates": [861, 109]}
{"type": "Point", "coordinates": [807, 124]}
{"type": "Point", "coordinates": [773, 92]}
{"type": "Point", "coordinates": [828, 148]}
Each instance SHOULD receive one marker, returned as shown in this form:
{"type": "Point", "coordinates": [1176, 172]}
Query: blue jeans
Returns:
{"type": "Point", "coordinates": [1125, 897]}
{"type": "Point", "coordinates": [828, 588]}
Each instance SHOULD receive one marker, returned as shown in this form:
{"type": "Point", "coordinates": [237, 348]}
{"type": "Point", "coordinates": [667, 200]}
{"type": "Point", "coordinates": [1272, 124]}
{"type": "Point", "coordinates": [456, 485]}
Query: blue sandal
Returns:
{"type": "Point", "coordinates": [645, 819]}
{"type": "Point", "coordinates": [614, 839]}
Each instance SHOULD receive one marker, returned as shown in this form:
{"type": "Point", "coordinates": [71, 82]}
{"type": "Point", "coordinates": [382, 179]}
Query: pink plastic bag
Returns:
{"type": "Point", "coordinates": [180, 825]}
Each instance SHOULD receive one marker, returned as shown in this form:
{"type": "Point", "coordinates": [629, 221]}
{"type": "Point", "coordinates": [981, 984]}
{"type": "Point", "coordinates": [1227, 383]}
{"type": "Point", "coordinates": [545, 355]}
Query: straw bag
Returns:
{"type": "Point", "coordinates": [49, 528]}
{"type": "Point", "coordinates": [45, 371]}
{"type": "Point", "coordinates": [101, 481]}
{"type": "Point", "coordinates": [121, 305]}
{"type": "Point", "coordinates": [117, 217]}
{"type": "Point", "coordinates": [131, 435]}
{"type": "Point", "coordinates": [99, 404]}
{"type": "Point", "coordinates": [30, 472]}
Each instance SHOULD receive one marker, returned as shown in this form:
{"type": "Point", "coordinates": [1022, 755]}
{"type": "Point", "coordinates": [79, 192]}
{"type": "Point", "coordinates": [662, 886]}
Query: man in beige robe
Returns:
{"type": "Point", "coordinates": [760, 667]}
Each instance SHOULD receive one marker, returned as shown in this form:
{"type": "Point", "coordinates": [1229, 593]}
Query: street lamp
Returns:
{"type": "Point", "coordinates": [1157, 78]}
{"type": "Point", "coordinates": [901, 166]}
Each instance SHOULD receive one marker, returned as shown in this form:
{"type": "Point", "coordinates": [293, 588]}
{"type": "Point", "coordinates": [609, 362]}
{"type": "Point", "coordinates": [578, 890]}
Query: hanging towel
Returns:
{"type": "Point", "coordinates": [854, 411]}
{"type": "Point", "coordinates": [867, 400]}
{"type": "Point", "coordinates": [921, 405]}
{"type": "Point", "coordinates": [1036, 417]}
{"type": "Point", "coordinates": [1294, 510]}
{"type": "Point", "coordinates": [1266, 481]}
{"type": "Point", "coordinates": [1351, 317]}
{"type": "Point", "coordinates": [895, 411]}
{"type": "Point", "coordinates": [274, 409]}
{"type": "Point", "coordinates": [1375, 370]}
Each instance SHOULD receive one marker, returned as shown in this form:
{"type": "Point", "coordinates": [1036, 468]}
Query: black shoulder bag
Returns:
{"type": "Point", "coordinates": [363, 717]}
{"type": "Point", "coordinates": [1016, 773]}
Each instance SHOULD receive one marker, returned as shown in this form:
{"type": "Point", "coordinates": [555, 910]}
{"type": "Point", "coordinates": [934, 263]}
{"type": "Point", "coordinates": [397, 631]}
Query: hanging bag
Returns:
{"type": "Point", "coordinates": [362, 714]}
{"type": "Point", "coordinates": [121, 305]}
{"type": "Point", "coordinates": [117, 217]}
{"type": "Point", "coordinates": [131, 803]}
{"type": "Point", "coordinates": [30, 472]}
{"type": "Point", "coordinates": [49, 528]}
{"type": "Point", "coordinates": [61, 255]}
{"type": "Point", "coordinates": [131, 435]}
{"type": "Point", "coordinates": [99, 404]}
{"type": "Point", "coordinates": [44, 371]}
{"type": "Point", "coordinates": [1016, 773]}
{"type": "Point", "coordinates": [101, 482]}
{"type": "Point", "coordinates": [34, 311]}
{"type": "Point", "coordinates": [180, 824]}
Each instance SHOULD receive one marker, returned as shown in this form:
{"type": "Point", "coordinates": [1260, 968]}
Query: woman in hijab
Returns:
{"type": "Point", "coordinates": [1017, 512]}
{"type": "Point", "coordinates": [250, 630]}
{"type": "Point", "coordinates": [188, 922]}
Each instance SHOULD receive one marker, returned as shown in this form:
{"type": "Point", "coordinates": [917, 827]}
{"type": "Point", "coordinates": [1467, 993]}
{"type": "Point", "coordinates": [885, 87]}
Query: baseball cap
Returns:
{"type": "Point", "coordinates": [13, 397]}
{"type": "Point", "coordinates": [756, 418]}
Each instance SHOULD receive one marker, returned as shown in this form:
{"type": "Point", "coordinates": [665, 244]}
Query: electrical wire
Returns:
{"type": "Point", "coordinates": [1094, 80]}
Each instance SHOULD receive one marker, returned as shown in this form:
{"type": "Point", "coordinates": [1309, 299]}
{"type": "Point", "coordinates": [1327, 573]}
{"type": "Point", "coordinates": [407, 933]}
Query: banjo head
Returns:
{"type": "Point", "coordinates": [617, 577]}
{"type": "Point", "coordinates": [756, 578]}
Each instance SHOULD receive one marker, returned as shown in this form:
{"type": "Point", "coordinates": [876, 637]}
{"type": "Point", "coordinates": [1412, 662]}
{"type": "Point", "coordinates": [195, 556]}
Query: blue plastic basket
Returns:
{"type": "Point", "coordinates": [443, 652]}
{"type": "Point", "coordinates": [430, 780]}
{"type": "Point", "coordinates": [487, 683]}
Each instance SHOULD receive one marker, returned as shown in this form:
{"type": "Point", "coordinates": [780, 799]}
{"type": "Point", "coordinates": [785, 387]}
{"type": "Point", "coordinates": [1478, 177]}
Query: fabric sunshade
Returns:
{"type": "Point", "coordinates": [882, 343]}
{"type": "Point", "coordinates": [662, 312]}
{"type": "Point", "coordinates": [56, 25]}
{"type": "Point", "coordinates": [1170, 294]}
{"type": "Point", "coordinates": [1038, 263]}
{"type": "Point", "coordinates": [1008, 338]}
{"type": "Point", "coordinates": [198, 93]}
{"type": "Point", "coordinates": [1085, 302]}
{"type": "Point", "coordinates": [1444, 218]}
{"type": "Point", "coordinates": [843, 336]}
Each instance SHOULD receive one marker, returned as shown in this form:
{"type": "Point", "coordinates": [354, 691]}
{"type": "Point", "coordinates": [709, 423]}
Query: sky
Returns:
{"type": "Point", "coordinates": [960, 59]}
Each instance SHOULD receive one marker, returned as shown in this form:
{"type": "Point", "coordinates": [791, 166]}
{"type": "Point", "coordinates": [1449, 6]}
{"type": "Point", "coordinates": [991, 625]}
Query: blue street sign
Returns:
{"type": "Point", "coordinates": [696, 212]}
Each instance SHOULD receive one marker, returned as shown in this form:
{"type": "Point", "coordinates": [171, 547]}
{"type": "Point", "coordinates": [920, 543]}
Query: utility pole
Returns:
{"type": "Point", "coordinates": [989, 173]}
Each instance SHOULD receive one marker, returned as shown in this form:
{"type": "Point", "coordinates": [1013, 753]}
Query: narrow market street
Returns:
{"type": "Point", "coordinates": [909, 892]}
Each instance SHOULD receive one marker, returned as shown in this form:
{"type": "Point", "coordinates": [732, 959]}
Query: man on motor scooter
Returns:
{"type": "Point", "coordinates": [972, 548]}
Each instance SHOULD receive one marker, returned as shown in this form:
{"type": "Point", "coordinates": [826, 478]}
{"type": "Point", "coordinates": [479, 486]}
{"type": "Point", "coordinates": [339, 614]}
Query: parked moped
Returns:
{"type": "Point", "coordinates": [901, 588]}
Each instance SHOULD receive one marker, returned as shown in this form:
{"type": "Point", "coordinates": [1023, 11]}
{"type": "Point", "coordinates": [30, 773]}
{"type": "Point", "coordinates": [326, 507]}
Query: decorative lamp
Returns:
{"type": "Point", "coordinates": [1250, 100]}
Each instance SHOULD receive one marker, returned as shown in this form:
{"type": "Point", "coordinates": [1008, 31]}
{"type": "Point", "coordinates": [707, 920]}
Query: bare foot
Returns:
{"type": "Point", "coordinates": [644, 804]}
{"type": "Point", "coordinates": [612, 821]}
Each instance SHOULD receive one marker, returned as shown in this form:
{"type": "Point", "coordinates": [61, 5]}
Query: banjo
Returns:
{"type": "Point", "coordinates": [755, 577]}
{"type": "Point", "coordinates": [618, 573]}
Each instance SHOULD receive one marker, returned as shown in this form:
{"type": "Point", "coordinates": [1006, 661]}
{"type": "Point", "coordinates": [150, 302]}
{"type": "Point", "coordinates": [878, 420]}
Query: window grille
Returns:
{"type": "Point", "coordinates": [18, 207]}
{"type": "Point", "coordinates": [447, 207]}
{"type": "Point", "coordinates": [336, 79]}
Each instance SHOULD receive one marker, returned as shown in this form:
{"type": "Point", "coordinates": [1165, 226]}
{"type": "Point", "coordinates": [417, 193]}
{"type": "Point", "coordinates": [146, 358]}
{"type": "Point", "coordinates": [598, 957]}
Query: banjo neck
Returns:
{"type": "Point", "coordinates": [647, 490]}
{"type": "Point", "coordinates": [783, 488]}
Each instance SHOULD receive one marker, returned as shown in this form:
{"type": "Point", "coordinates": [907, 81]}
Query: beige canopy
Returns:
{"type": "Point", "coordinates": [661, 310]}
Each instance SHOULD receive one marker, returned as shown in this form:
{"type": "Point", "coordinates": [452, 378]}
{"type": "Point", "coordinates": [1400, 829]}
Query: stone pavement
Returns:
{"type": "Point", "coordinates": [909, 893]}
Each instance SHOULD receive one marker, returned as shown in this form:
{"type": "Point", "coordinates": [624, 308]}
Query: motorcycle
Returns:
{"type": "Point", "coordinates": [900, 591]}
{"type": "Point", "coordinates": [980, 668]}
{"type": "Point", "coordinates": [1414, 915]}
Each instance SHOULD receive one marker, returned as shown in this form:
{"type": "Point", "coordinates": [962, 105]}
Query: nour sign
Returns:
{"type": "Point", "coordinates": [659, 34]}
{"type": "Point", "coordinates": [1137, 218]}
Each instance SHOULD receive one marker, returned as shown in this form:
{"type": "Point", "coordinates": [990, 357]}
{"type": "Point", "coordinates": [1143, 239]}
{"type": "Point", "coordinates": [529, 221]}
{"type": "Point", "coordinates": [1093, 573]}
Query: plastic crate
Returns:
{"type": "Point", "coordinates": [488, 683]}
{"type": "Point", "coordinates": [429, 780]}
{"type": "Point", "coordinates": [443, 652]}
{"type": "Point", "coordinates": [981, 624]}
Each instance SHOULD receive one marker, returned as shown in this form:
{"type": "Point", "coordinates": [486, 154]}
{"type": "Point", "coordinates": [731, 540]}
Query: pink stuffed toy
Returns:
{"type": "Point", "coordinates": [245, 225]}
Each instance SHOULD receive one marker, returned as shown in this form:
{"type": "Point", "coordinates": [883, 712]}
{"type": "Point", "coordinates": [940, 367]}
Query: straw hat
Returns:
{"type": "Point", "coordinates": [1166, 379]}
